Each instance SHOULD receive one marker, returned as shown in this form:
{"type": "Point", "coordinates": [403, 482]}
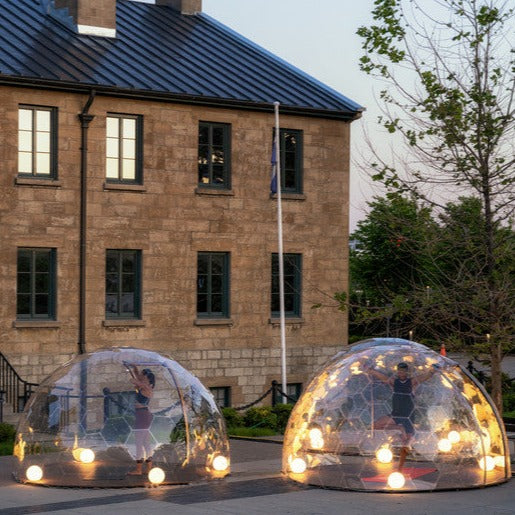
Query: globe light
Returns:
{"type": "Point", "coordinates": [87, 456]}
{"type": "Point", "coordinates": [316, 439]}
{"type": "Point", "coordinates": [396, 480]}
{"type": "Point", "coordinates": [444, 445]}
{"type": "Point", "coordinates": [384, 455]}
{"type": "Point", "coordinates": [298, 466]}
{"type": "Point", "coordinates": [220, 463]}
{"type": "Point", "coordinates": [487, 463]}
{"type": "Point", "coordinates": [34, 473]}
{"type": "Point", "coordinates": [454, 437]}
{"type": "Point", "coordinates": [500, 461]}
{"type": "Point", "coordinates": [156, 476]}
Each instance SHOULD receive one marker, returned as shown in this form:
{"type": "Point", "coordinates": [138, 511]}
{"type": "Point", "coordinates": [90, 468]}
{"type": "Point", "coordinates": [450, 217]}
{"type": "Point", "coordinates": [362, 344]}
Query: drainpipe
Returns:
{"type": "Point", "coordinates": [85, 120]}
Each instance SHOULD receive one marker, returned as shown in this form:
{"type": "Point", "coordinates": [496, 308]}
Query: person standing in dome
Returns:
{"type": "Point", "coordinates": [144, 382]}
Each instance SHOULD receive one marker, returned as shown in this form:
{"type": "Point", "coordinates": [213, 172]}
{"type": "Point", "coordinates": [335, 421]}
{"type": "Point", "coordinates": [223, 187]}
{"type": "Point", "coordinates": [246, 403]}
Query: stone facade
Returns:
{"type": "Point", "coordinates": [170, 220]}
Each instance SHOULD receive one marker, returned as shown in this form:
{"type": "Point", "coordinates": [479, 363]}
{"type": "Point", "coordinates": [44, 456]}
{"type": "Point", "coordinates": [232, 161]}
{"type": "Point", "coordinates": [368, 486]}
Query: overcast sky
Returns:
{"type": "Point", "coordinates": [319, 37]}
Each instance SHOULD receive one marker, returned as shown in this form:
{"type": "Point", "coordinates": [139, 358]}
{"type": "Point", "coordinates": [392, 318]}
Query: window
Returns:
{"type": "Point", "coordinates": [36, 280]}
{"type": "Point", "coordinates": [124, 148]}
{"type": "Point", "coordinates": [292, 285]}
{"type": "Point", "coordinates": [291, 161]}
{"type": "Point", "coordinates": [222, 395]}
{"type": "Point", "coordinates": [123, 284]}
{"type": "Point", "coordinates": [214, 155]}
{"type": "Point", "coordinates": [213, 284]}
{"type": "Point", "coordinates": [293, 391]}
{"type": "Point", "coordinates": [37, 142]}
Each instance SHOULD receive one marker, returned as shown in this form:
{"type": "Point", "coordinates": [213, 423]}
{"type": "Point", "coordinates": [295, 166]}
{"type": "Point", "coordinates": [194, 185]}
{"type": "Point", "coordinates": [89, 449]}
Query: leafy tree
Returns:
{"type": "Point", "coordinates": [449, 67]}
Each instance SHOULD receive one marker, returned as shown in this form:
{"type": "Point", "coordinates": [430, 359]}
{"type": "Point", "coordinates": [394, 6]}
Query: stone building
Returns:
{"type": "Point", "coordinates": [135, 205]}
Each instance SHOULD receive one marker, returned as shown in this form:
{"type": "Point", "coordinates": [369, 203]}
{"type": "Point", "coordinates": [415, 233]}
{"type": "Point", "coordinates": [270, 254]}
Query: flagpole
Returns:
{"type": "Point", "coordinates": [280, 253]}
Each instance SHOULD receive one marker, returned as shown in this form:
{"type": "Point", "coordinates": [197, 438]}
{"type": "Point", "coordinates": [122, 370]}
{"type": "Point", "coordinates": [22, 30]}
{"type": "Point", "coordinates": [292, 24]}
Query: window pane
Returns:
{"type": "Point", "coordinates": [218, 174]}
{"type": "Point", "coordinates": [25, 119]}
{"type": "Point", "coordinates": [218, 136]}
{"type": "Point", "coordinates": [202, 284]}
{"type": "Point", "coordinates": [112, 127]}
{"type": "Point", "coordinates": [43, 121]}
{"type": "Point", "coordinates": [43, 142]}
{"type": "Point", "coordinates": [216, 303]}
{"type": "Point", "coordinates": [129, 148]}
{"type": "Point", "coordinates": [41, 305]}
{"type": "Point", "coordinates": [127, 303]}
{"type": "Point", "coordinates": [218, 156]}
{"type": "Point", "coordinates": [129, 128]}
{"type": "Point", "coordinates": [203, 135]}
{"type": "Point", "coordinates": [111, 262]}
{"type": "Point", "coordinates": [25, 141]}
{"type": "Point", "coordinates": [202, 303]}
{"type": "Point", "coordinates": [111, 283]}
{"type": "Point", "coordinates": [203, 264]}
{"type": "Point", "coordinates": [217, 264]}
{"type": "Point", "coordinates": [129, 169]}
{"type": "Point", "coordinates": [43, 163]}
{"type": "Point", "coordinates": [111, 168]}
{"type": "Point", "coordinates": [111, 304]}
{"type": "Point", "coordinates": [42, 261]}
{"type": "Point", "coordinates": [217, 284]}
{"type": "Point", "coordinates": [23, 305]}
{"type": "Point", "coordinates": [24, 261]}
{"type": "Point", "coordinates": [128, 283]}
{"type": "Point", "coordinates": [24, 162]}
{"type": "Point", "coordinates": [23, 283]}
{"type": "Point", "coordinates": [128, 262]}
{"type": "Point", "coordinates": [42, 283]}
{"type": "Point", "coordinates": [112, 147]}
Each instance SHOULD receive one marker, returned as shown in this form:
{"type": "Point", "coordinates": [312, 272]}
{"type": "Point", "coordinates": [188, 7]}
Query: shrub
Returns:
{"type": "Point", "coordinates": [282, 411]}
{"type": "Point", "coordinates": [6, 448]}
{"type": "Point", "coordinates": [251, 431]}
{"type": "Point", "coordinates": [508, 401]}
{"type": "Point", "coordinates": [232, 417]}
{"type": "Point", "coordinates": [7, 432]}
{"type": "Point", "coordinates": [261, 417]}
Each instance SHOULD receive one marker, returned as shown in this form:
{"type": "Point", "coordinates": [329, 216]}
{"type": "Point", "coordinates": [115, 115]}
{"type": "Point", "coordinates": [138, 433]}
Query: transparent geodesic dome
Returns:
{"type": "Point", "coordinates": [364, 423]}
{"type": "Point", "coordinates": [82, 427]}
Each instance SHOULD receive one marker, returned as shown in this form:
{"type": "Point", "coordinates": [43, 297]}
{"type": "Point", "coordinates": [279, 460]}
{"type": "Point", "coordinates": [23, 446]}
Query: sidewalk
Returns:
{"type": "Point", "coordinates": [255, 486]}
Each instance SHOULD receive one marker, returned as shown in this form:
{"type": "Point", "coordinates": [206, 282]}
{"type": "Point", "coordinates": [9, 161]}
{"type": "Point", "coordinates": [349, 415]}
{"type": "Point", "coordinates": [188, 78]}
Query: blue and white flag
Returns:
{"type": "Point", "coordinates": [273, 182]}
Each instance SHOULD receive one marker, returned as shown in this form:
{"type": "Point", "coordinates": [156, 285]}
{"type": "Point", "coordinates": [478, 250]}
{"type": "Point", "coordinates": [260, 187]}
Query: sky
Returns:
{"type": "Point", "coordinates": [319, 37]}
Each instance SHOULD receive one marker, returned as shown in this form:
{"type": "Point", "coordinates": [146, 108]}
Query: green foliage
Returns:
{"type": "Point", "coordinates": [232, 417]}
{"type": "Point", "coordinates": [251, 431]}
{"type": "Point", "coordinates": [7, 432]}
{"type": "Point", "coordinates": [508, 401]}
{"type": "Point", "coordinates": [260, 417]}
{"type": "Point", "coordinates": [6, 448]}
{"type": "Point", "coordinates": [282, 411]}
{"type": "Point", "coordinates": [178, 433]}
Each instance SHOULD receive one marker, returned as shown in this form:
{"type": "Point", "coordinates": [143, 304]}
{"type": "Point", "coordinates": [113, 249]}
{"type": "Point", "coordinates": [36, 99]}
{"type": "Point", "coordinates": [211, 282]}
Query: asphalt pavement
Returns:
{"type": "Point", "coordinates": [255, 486]}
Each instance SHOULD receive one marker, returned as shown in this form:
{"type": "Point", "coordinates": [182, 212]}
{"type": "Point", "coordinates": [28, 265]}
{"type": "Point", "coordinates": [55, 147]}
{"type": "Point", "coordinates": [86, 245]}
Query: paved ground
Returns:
{"type": "Point", "coordinates": [254, 487]}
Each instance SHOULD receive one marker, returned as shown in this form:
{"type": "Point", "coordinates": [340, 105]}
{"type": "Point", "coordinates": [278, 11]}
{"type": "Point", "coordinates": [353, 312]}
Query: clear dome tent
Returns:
{"type": "Point", "coordinates": [393, 415]}
{"type": "Point", "coordinates": [92, 424]}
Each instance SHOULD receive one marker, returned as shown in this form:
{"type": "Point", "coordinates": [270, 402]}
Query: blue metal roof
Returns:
{"type": "Point", "coordinates": [157, 52]}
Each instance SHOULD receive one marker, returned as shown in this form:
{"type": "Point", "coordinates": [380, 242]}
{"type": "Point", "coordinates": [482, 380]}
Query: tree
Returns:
{"type": "Point", "coordinates": [449, 67]}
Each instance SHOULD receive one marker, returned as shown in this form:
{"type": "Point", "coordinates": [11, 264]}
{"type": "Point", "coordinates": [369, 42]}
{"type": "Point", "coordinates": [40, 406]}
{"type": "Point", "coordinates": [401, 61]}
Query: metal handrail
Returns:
{"type": "Point", "coordinates": [16, 390]}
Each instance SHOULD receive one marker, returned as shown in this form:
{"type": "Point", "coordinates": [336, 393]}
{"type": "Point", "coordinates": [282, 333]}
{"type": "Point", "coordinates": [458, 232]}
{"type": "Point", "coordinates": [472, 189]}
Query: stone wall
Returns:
{"type": "Point", "coordinates": [169, 220]}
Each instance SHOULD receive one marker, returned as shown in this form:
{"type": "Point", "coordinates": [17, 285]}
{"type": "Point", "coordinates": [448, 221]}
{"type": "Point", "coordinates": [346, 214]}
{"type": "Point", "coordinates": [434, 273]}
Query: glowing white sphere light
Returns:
{"type": "Point", "coordinates": [396, 480]}
{"type": "Point", "coordinates": [34, 473]}
{"type": "Point", "coordinates": [220, 463]}
{"type": "Point", "coordinates": [156, 476]}
{"type": "Point", "coordinates": [454, 437]}
{"type": "Point", "coordinates": [298, 466]}
{"type": "Point", "coordinates": [87, 456]}
{"type": "Point", "coordinates": [487, 463]}
{"type": "Point", "coordinates": [316, 439]}
{"type": "Point", "coordinates": [444, 445]}
{"type": "Point", "coordinates": [384, 455]}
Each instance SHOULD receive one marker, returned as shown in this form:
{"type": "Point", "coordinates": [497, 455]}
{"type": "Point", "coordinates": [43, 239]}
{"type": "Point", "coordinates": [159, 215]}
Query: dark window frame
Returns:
{"type": "Point", "coordinates": [210, 313]}
{"type": "Point", "coordinates": [295, 261]}
{"type": "Point", "coordinates": [138, 260]}
{"type": "Point", "coordinates": [51, 290]}
{"type": "Point", "coordinates": [289, 387]}
{"type": "Point", "coordinates": [298, 168]}
{"type": "Point", "coordinates": [54, 138]}
{"type": "Point", "coordinates": [226, 391]}
{"type": "Point", "coordinates": [226, 184]}
{"type": "Point", "coordinates": [138, 160]}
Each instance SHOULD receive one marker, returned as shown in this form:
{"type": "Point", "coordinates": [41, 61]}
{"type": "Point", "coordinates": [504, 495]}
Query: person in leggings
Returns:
{"type": "Point", "coordinates": [144, 383]}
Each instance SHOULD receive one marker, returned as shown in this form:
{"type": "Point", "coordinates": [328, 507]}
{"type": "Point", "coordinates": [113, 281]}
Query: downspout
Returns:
{"type": "Point", "coordinates": [85, 120]}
